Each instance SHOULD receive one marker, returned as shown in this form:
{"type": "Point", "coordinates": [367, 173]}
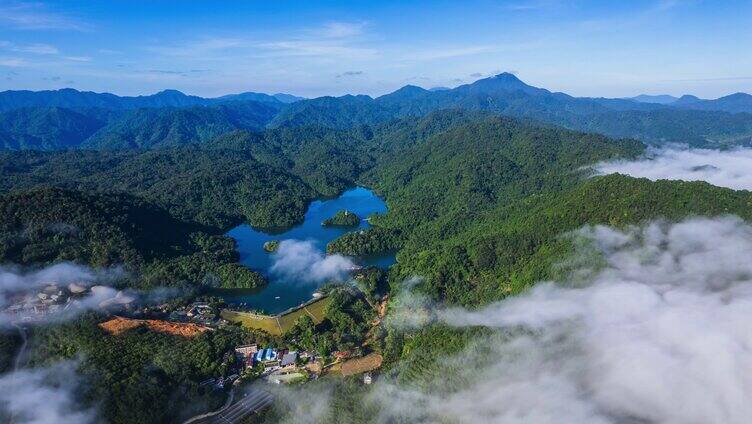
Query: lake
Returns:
{"type": "Point", "coordinates": [283, 293]}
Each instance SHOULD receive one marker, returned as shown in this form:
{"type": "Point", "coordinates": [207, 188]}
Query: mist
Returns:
{"type": "Point", "coordinates": [302, 261]}
{"type": "Point", "coordinates": [15, 278]}
{"type": "Point", "coordinates": [308, 404]}
{"type": "Point", "coordinates": [728, 168]}
{"type": "Point", "coordinates": [43, 396]}
{"type": "Point", "coordinates": [18, 285]}
{"type": "Point", "coordinates": [659, 334]}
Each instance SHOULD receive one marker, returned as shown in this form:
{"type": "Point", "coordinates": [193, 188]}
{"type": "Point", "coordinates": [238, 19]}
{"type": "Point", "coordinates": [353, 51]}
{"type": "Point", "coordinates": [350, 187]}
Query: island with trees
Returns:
{"type": "Point", "coordinates": [343, 218]}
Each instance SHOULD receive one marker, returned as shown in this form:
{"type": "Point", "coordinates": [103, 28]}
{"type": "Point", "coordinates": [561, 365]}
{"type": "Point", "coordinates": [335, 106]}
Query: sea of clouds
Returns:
{"type": "Point", "coordinates": [724, 168]}
{"type": "Point", "coordinates": [660, 334]}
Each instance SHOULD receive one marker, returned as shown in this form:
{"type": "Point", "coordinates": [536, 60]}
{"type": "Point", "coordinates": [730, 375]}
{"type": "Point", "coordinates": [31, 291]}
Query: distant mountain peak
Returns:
{"type": "Point", "coordinates": [689, 97]}
{"type": "Point", "coordinates": [737, 96]}
{"type": "Point", "coordinates": [411, 89]}
{"type": "Point", "coordinates": [505, 81]}
{"type": "Point", "coordinates": [170, 92]}
{"type": "Point", "coordinates": [287, 98]}
{"type": "Point", "coordinates": [662, 99]}
{"type": "Point", "coordinates": [508, 76]}
{"type": "Point", "coordinates": [405, 93]}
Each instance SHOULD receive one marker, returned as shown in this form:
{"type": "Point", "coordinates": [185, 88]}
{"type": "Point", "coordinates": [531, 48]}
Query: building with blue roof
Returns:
{"type": "Point", "coordinates": [270, 355]}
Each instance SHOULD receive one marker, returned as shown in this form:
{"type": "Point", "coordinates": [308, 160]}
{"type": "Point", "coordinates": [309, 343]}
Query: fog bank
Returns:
{"type": "Point", "coordinates": [63, 291]}
{"type": "Point", "coordinates": [43, 396]}
{"type": "Point", "coordinates": [660, 334]}
{"type": "Point", "coordinates": [302, 261]}
{"type": "Point", "coordinates": [730, 168]}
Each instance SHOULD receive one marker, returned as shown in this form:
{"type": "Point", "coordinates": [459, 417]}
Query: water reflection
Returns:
{"type": "Point", "coordinates": [282, 293]}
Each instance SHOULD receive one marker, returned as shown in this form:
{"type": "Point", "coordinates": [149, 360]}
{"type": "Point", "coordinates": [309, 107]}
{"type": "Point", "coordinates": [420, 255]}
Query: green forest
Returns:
{"type": "Point", "coordinates": [478, 204]}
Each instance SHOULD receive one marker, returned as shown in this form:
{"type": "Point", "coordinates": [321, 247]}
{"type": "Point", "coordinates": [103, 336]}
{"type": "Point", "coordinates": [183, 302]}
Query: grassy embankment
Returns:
{"type": "Point", "coordinates": [278, 324]}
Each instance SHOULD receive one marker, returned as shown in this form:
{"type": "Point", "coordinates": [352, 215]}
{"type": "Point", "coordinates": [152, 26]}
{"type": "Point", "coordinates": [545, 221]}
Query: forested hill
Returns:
{"type": "Point", "coordinates": [44, 120]}
{"type": "Point", "coordinates": [215, 188]}
{"type": "Point", "coordinates": [49, 225]}
{"type": "Point", "coordinates": [42, 128]}
{"type": "Point", "coordinates": [507, 248]}
{"type": "Point", "coordinates": [147, 128]}
{"type": "Point", "coordinates": [268, 178]}
{"type": "Point", "coordinates": [46, 128]}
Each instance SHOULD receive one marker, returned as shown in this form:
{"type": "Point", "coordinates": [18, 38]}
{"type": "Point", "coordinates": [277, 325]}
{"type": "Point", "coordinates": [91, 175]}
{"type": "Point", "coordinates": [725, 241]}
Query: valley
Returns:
{"type": "Point", "coordinates": [261, 255]}
{"type": "Point", "coordinates": [477, 207]}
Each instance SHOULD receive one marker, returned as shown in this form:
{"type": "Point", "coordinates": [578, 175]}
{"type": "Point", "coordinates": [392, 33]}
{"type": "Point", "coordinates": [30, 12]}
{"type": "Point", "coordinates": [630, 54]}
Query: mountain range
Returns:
{"type": "Point", "coordinates": [71, 98]}
{"type": "Point", "coordinates": [67, 118]}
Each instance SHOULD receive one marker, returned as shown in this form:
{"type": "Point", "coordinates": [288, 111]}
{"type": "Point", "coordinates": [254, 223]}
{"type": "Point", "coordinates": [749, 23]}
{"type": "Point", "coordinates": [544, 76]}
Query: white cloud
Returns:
{"type": "Point", "coordinates": [37, 48]}
{"type": "Point", "coordinates": [534, 5]}
{"type": "Point", "coordinates": [659, 335]}
{"type": "Point", "coordinates": [302, 404]}
{"type": "Point", "coordinates": [13, 62]}
{"type": "Point", "coordinates": [202, 47]}
{"type": "Point", "coordinates": [303, 262]}
{"type": "Point", "coordinates": [43, 396]}
{"type": "Point", "coordinates": [12, 278]}
{"type": "Point", "coordinates": [334, 39]}
{"type": "Point", "coordinates": [19, 287]}
{"type": "Point", "coordinates": [36, 16]}
{"type": "Point", "coordinates": [450, 52]}
{"type": "Point", "coordinates": [341, 29]}
{"type": "Point", "coordinates": [317, 48]}
{"type": "Point", "coordinates": [78, 58]}
{"type": "Point", "coordinates": [730, 168]}
{"type": "Point", "coordinates": [350, 74]}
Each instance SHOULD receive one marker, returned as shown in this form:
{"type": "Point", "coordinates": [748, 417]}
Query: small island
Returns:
{"type": "Point", "coordinates": [271, 246]}
{"type": "Point", "coordinates": [343, 218]}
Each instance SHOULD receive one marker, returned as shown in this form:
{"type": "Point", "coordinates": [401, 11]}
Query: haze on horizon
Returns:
{"type": "Point", "coordinates": [584, 48]}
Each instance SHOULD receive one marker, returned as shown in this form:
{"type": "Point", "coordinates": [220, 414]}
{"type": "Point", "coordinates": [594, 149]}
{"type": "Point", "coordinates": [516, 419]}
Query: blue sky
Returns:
{"type": "Point", "coordinates": [309, 48]}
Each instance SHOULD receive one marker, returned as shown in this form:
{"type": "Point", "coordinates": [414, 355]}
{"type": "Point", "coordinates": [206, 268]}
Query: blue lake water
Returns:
{"type": "Point", "coordinates": [282, 293]}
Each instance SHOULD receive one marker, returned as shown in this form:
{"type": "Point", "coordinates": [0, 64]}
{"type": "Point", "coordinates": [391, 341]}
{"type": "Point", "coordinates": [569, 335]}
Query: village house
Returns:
{"type": "Point", "coordinates": [245, 354]}
{"type": "Point", "coordinates": [289, 359]}
{"type": "Point", "coordinates": [266, 355]}
{"type": "Point", "coordinates": [246, 350]}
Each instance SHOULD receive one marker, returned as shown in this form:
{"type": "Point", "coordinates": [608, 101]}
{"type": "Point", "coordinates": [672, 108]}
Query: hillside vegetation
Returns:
{"type": "Point", "coordinates": [479, 206]}
{"type": "Point", "coordinates": [266, 179]}
{"type": "Point", "coordinates": [49, 225]}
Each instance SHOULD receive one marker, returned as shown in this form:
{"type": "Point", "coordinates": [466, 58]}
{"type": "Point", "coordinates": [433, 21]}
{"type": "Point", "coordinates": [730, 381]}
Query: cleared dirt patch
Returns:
{"type": "Point", "coordinates": [369, 362]}
{"type": "Point", "coordinates": [119, 325]}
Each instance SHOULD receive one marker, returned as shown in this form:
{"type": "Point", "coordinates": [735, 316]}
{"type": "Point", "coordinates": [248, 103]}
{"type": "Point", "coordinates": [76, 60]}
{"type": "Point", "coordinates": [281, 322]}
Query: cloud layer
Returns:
{"type": "Point", "coordinates": [19, 290]}
{"type": "Point", "coordinates": [659, 335]}
{"type": "Point", "coordinates": [730, 168]}
{"type": "Point", "coordinates": [303, 262]}
{"type": "Point", "coordinates": [43, 396]}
